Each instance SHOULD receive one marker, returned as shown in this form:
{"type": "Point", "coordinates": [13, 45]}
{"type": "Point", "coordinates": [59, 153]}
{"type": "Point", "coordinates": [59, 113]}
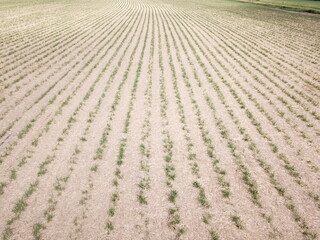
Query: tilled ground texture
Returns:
{"type": "Point", "coordinates": [158, 119]}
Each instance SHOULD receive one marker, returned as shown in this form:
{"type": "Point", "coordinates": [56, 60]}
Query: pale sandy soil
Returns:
{"type": "Point", "coordinates": [158, 119]}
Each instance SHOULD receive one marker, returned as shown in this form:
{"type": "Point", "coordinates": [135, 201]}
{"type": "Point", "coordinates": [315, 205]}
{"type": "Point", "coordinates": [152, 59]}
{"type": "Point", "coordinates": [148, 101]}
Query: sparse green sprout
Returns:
{"type": "Point", "coordinates": [94, 168]}
{"type": "Point", "coordinates": [206, 218]}
{"type": "Point", "coordinates": [173, 195]}
{"type": "Point", "coordinates": [142, 199]}
{"type": "Point", "coordinates": [214, 235]}
{"type": "Point", "coordinates": [237, 221]}
{"type": "Point", "coordinates": [111, 212]}
{"type": "Point", "coordinates": [109, 226]}
{"type": "Point", "coordinates": [13, 174]}
{"type": "Point", "coordinates": [20, 206]}
{"type": "Point", "coordinates": [37, 230]}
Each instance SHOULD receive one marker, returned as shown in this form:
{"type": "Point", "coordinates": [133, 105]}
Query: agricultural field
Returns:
{"type": "Point", "coordinates": [158, 119]}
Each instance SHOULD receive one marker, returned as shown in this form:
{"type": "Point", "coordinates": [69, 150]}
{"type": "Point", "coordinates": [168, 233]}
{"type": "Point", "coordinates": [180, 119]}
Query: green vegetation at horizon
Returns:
{"type": "Point", "coordinates": [310, 6]}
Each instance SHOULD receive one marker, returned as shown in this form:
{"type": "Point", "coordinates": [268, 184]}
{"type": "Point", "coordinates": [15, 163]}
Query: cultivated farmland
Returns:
{"type": "Point", "coordinates": [158, 119]}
